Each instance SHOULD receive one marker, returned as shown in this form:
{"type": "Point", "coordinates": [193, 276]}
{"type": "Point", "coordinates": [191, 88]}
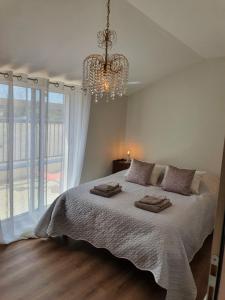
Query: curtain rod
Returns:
{"type": "Point", "coordinates": [19, 77]}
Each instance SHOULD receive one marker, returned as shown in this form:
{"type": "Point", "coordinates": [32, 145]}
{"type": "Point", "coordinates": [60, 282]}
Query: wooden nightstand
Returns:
{"type": "Point", "coordinates": [119, 165]}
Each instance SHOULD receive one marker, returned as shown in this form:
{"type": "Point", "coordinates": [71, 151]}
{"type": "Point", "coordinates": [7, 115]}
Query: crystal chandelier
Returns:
{"type": "Point", "coordinates": [105, 76]}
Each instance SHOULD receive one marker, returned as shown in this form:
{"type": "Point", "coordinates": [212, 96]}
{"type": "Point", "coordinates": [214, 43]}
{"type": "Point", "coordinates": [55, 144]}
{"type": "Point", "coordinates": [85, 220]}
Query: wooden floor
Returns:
{"type": "Point", "coordinates": [47, 270]}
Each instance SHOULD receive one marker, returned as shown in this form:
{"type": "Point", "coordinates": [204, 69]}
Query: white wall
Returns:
{"type": "Point", "coordinates": [181, 119]}
{"type": "Point", "coordinates": [105, 139]}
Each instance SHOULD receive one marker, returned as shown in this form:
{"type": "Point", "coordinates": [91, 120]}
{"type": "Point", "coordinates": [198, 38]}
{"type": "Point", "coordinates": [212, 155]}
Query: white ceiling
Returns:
{"type": "Point", "coordinates": [199, 24]}
{"type": "Point", "coordinates": [52, 37]}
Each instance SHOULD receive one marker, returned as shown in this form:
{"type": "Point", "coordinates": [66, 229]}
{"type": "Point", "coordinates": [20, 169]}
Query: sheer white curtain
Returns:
{"type": "Point", "coordinates": [43, 130]}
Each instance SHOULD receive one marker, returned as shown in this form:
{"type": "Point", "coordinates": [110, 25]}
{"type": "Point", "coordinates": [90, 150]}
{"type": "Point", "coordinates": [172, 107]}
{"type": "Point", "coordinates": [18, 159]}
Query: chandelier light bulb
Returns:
{"type": "Point", "coordinates": [106, 86]}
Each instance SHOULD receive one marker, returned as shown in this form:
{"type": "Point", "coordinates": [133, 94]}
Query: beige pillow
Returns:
{"type": "Point", "coordinates": [157, 171]}
{"type": "Point", "coordinates": [211, 182]}
{"type": "Point", "coordinates": [178, 180]}
{"type": "Point", "coordinates": [196, 181]}
{"type": "Point", "coordinates": [139, 172]}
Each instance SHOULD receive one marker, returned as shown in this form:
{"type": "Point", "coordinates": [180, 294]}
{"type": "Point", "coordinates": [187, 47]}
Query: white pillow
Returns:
{"type": "Point", "coordinates": [211, 182]}
{"type": "Point", "coordinates": [157, 171]}
{"type": "Point", "coordinates": [164, 176]}
{"type": "Point", "coordinates": [196, 181]}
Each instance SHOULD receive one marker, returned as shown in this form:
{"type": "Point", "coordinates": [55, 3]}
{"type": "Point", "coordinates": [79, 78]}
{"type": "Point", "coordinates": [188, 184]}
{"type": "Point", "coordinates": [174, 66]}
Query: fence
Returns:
{"type": "Point", "coordinates": [22, 142]}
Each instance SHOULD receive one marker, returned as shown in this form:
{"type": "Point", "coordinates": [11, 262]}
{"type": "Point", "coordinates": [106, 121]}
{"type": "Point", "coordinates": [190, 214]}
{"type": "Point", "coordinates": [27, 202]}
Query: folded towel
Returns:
{"type": "Point", "coordinates": [106, 194]}
{"type": "Point", "coordinates": [106, 187]}
{"type": "Point", "coordinates": [152, 200]}
{"type": "Point", "coordinates": [152, 208]}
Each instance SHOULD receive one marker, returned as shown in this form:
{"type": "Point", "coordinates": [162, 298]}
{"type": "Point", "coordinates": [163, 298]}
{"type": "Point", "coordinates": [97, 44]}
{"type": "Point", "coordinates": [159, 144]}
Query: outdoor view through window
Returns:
{"type": "Point", "coordinates": [33, 152]}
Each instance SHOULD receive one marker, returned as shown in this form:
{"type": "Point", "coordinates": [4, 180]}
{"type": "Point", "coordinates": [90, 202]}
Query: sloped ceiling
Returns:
{"type": "Point", "coordinates": [199, 24]}
{"type": "Point", "coordinates": [52, 37]}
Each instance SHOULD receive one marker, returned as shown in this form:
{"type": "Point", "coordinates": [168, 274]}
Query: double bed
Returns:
{"type": "Point", "coordinates": [163, 243]}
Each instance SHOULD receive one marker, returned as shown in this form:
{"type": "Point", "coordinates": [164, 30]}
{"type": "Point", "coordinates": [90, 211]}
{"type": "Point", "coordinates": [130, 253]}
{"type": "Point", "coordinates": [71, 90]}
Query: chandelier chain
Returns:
{"type": "Point", "coordinates": [107, 35]}
{"type": "Point", "coordinates": [108, 13]}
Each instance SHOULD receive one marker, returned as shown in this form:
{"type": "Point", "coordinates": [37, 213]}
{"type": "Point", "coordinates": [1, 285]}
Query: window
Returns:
{"type": "Point", "coordinates": [42, 127]}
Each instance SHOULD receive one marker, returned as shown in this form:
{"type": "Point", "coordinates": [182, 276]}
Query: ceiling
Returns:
{"type": "Point", "coordinates": [52, 37]}
{"type": "Point", "coordinates": [199, 24]}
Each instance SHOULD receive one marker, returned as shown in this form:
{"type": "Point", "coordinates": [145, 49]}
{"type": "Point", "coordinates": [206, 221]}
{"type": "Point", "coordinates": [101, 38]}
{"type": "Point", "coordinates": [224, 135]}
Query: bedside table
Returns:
{"type": "Point", "coordinates": [120, 165]}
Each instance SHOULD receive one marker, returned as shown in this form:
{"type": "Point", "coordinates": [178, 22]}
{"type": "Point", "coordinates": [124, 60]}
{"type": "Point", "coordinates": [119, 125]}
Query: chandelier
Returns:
{"type": "Point", "coordinates": [105, 76]}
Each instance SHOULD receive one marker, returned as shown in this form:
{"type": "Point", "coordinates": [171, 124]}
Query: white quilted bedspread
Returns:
{"type": "Point", "coordinates": [162, 243]}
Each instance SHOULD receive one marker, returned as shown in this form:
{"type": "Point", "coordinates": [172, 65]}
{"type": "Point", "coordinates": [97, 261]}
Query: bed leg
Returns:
{"type": "Point", "coordinates": [65, 240]}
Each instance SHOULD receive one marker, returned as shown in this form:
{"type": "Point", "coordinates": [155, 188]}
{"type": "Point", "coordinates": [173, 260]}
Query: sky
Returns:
{"type": "Point", "coordinates": [22, 93]}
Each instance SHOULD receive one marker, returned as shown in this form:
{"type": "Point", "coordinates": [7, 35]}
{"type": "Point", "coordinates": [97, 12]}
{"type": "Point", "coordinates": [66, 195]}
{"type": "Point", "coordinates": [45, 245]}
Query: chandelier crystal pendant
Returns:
{"type": "Point", "coordinates": [105, 76]}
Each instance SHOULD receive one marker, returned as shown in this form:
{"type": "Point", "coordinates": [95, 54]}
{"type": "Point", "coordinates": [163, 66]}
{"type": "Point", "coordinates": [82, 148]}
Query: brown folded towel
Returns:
{"type": "Point", "coordinates": [107, 187]}
{"type": "Point", "coordinates": [106, 194]}
{"type": "Point", "coordinates": [152, 208]}
{"type": "Point", "coordinates": [152, 200]}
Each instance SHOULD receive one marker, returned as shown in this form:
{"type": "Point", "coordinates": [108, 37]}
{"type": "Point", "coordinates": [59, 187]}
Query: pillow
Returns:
{"type": "Point", "coordinates": [178, 180]}
{"type": "Point", "coordinates": [164, 176]}
{"type": "Point", "coordinates": [196, 181]}
{"type": "Point", "coordinates": [195, 185]}
{"type": "Point", "coordinates": [211, 182]}
{"type": "Point", "coordinates": [157, 171]}
{"type": "Point", "coordinates": [139, 172]}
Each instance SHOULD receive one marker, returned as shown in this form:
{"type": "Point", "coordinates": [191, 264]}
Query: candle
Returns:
{"type": "Point", "coordinates": [128, 156]}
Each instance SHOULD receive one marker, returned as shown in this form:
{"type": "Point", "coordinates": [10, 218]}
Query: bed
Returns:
{"type": "Point", "coordinates": [163, 244]}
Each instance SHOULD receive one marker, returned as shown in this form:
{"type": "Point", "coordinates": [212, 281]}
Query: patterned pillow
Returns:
{"type": "Point", "coordinates": [178, 180]}
{"type": "Point", "coordinates": [140, 172]}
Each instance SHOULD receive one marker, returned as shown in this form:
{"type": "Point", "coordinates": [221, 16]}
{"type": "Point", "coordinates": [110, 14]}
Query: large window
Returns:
{"type": "Point", "coordinates": [42, 128]}
{"type": "Point", "coordinates": [26, 149]}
